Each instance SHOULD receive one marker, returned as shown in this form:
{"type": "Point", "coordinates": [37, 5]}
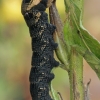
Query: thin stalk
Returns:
{"type": "Point", "coordinates": [76, 76]}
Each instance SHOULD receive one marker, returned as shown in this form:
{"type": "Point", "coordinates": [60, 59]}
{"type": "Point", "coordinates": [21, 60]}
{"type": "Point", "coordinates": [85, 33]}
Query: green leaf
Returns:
{"type": "Point", "coordinates": [91, 42]}
{"type": "Point", "coordinates": [80, 36]}
{"type": "Point", "coordinates": [91, 59]}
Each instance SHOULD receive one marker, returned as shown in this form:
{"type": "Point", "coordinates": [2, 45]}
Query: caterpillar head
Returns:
{"type": "Point", "coordinates": [38, 4]}
{"type": "Point", "coordinates": [28, 4]}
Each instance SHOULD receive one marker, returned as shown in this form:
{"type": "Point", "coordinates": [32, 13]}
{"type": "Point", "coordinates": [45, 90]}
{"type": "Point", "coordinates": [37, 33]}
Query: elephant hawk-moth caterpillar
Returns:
{"type": "Point", "coordinates": [41, 32]}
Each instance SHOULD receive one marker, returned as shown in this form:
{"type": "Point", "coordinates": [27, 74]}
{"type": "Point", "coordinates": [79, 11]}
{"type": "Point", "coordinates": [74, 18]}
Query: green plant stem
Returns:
{"type": "Point", "coordinates": [76, 76]}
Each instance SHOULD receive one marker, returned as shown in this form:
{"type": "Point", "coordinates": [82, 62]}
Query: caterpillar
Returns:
{"type": "Point", "coordinates": [43, 46]}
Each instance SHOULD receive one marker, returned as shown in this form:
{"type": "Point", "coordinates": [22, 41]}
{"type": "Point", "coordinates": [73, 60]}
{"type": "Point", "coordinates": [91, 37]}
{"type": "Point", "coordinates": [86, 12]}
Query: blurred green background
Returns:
{"type": "Point", "coordinates": [15, 52]}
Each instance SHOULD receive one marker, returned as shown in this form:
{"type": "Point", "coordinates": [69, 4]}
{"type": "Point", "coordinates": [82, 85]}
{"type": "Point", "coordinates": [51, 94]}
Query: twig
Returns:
{"type": "Point", "coordinates": [60, 95]}
{"type": "Point", "coordinates": [86, 91]}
